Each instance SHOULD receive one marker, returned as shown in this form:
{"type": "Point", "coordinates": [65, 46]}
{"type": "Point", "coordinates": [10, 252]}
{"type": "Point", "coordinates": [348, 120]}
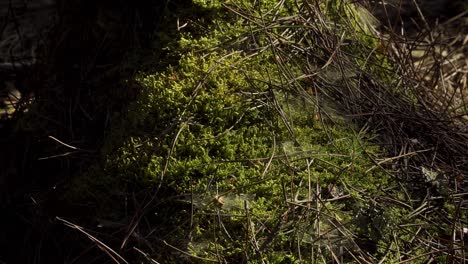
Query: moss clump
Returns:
{"type": "Point", "coordinates": [238, 170]}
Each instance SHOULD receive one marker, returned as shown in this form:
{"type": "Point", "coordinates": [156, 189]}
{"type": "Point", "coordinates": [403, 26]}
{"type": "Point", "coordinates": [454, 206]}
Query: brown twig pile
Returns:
{"type": "Point", "coordinates": [416, 103]}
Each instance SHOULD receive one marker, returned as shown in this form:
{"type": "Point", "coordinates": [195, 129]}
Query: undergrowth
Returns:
{"type": "Point", "coordinates": [233, 155]}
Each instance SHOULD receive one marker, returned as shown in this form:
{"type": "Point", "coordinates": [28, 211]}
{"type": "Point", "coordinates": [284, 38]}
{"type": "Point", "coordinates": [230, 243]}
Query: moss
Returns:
{"type": "Point", "coordinates": [207, 135]}
{"type": "Point", "coordinates": [234, 163]}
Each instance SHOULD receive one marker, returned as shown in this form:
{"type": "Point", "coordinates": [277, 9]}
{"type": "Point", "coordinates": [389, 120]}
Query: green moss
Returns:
{"type": "Point", "coordinates": [241, 171]}
{"type": "Point", "coordinates": [199, 129]}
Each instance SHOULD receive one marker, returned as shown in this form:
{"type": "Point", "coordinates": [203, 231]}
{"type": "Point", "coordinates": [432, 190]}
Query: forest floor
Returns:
{"type": "Point", "coordinates": [236, 132]}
